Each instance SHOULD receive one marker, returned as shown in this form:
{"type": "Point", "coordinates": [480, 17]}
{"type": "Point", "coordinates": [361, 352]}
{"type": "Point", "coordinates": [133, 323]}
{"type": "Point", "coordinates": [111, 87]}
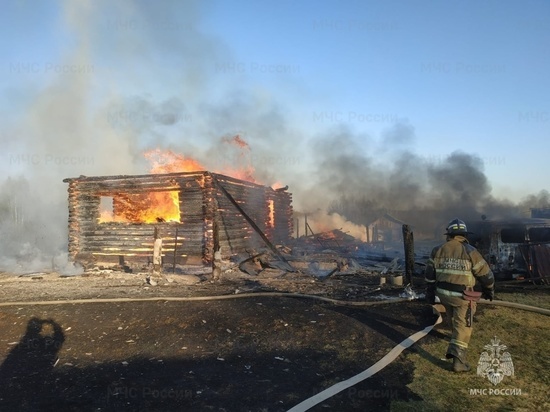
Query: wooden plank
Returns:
{"type": "Point", "coordinates": [180, 175]}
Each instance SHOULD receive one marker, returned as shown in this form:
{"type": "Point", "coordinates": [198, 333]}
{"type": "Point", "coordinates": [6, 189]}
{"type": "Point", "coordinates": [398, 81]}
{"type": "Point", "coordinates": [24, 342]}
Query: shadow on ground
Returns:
{"type": "Point", "coordinates": [266, 366]}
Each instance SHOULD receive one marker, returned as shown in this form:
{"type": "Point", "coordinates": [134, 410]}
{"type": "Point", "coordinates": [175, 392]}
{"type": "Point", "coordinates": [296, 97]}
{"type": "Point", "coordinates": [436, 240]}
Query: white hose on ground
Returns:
{"type": "Point", "coordinates": [377, 367]}
{"type": "Point", "coordinates": [202, 298]}
{"type": "Point", "coordinates": [507, 304]}
{"type": "Point", "coordinates": [391, 356]}
{"type": "Point", "coordinates": [253, 295]}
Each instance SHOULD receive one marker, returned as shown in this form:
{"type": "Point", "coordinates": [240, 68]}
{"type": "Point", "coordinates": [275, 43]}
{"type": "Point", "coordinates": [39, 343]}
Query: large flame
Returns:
{"type": "Point", "coordinates": [165, 206]}
{"type": "Point", "coordinates": [154, 206]}
{"type": "Point", "coordinates": [143, 208]}
{"type": "Point", "coordinates": [166, 161]}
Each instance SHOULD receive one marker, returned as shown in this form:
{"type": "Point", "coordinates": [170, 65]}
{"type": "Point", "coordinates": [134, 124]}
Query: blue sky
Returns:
{"type": "Point", "coordinates": [469, 76]}
{"type": "Point", "coordinates": [466, 75]}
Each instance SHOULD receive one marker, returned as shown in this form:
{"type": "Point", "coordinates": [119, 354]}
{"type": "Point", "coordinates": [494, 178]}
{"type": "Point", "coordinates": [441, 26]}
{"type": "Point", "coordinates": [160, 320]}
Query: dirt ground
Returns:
{"type": "Point", "coordinates": [243, 354]}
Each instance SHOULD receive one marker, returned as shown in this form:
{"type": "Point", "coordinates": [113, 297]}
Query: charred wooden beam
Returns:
{"type": "Point", "coordinates": [408, 240]}
{"type": "Point", "coordinates": [254, 225]}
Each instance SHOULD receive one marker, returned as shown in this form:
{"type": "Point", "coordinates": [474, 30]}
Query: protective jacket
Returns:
{"type": "Point", "coordinates": [455, 266]}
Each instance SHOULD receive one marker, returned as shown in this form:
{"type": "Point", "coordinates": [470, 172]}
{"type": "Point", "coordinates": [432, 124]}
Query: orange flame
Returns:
{"type": "Point", "coordinates": [245, 170]}
{"type": "Point", "coordinates": [237, 140]}
{"type": "Point", "coordinates": [143, 208]}
{"type": "Point", "coordinates": [327, 235]}
{"type": "Point", "coordinates": [271, 206]}
{"type": "Point", "coordinates": [165, 206]}
{"type": "Point", "coordinates": [166, 161]}
{"type": "Point", "coordinates": [154, 206]}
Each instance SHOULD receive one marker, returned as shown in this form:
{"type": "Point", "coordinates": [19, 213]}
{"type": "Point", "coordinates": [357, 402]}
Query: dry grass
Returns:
{"type": "Point", "coordinates": [527, 336]}
{"type": "Point", "coordinates": [537, 297]}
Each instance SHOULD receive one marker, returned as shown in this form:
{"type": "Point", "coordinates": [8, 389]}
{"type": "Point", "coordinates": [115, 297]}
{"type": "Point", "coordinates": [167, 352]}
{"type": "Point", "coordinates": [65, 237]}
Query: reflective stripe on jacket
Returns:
{"type": "Point", "coordinates": [456, 265]}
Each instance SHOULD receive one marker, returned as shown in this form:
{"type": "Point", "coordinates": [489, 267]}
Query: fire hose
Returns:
{"type": "Point", "coordinates": [377, 367]}
{"type": "Point", "coordinates": [332, 390]}
{"type": "Point", "coordinates": [253, 295]}
{"type": "Point", "coordinates": [392, 355]}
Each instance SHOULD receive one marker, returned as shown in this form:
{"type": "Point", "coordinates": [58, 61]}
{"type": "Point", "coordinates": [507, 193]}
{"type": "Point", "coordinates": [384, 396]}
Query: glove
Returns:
{"type": "Point", "coordinates": [488, 294]}
{"type": "Point", "coordinates": [430, 295]}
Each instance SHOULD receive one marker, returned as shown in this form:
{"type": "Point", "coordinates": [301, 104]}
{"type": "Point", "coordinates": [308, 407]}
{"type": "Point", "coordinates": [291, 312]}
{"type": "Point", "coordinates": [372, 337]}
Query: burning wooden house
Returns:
{"type": "Point", "coordinates": [116, 219]}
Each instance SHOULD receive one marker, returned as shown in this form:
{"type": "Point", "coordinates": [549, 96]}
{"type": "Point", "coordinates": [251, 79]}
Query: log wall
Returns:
{"type": "Point", "coordinates": [208, 219]}
{"type": "Point", "coordinates": [235, 234]}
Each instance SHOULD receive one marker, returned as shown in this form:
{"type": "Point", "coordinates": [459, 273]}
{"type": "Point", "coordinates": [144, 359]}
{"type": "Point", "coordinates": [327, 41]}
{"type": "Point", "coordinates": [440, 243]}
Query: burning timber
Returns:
{"type": "Point", "coordinates": [114, 220]}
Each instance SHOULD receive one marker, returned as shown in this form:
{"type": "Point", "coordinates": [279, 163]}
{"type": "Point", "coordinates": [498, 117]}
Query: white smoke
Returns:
{"type": "Point", "coordinates": [137, 75]}
{"type": "Point", "coordinates": [321, 221]}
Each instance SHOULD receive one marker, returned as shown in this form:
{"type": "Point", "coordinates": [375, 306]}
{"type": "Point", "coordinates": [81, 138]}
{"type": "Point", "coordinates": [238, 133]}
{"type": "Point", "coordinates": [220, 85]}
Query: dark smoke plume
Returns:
{"type": "Point", "coordinates": [419, 192]}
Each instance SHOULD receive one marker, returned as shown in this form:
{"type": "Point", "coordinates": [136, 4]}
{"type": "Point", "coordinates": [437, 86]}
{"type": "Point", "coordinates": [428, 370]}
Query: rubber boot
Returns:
{"type": "Point", "coordinates": [460, 366]}
{"type": "Point", "coordinates": [458, 355]}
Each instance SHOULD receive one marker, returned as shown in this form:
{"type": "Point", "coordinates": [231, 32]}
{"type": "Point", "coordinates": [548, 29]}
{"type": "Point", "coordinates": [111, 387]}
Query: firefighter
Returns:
{"type": "Point", "coordinates": [451, 273]}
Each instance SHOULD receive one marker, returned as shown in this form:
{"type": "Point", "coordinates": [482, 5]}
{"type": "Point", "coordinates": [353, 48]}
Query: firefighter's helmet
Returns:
{"type": "Point", "coordinates": [457, 227]}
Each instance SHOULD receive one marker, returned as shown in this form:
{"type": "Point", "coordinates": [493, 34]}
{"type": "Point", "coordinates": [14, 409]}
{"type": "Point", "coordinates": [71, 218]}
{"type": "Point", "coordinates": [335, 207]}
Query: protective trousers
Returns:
{"type": "Point", "coordinates": [457, 308]}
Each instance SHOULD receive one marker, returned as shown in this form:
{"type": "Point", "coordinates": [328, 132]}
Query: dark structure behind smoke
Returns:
{"type": "Point", "coordinates": [515, 247]}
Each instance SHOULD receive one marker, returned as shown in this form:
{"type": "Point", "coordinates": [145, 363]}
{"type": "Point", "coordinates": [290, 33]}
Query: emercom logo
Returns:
{"type": "Point", "coordinates": [494, 363]}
